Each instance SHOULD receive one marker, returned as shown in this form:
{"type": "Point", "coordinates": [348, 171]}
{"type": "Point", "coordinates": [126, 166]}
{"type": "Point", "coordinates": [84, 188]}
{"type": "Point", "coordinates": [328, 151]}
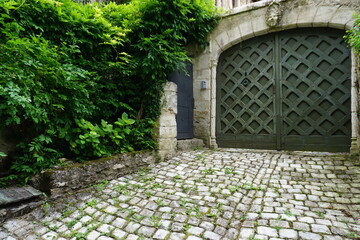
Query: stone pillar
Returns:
{"type": "Point", "coordinates": [167, 129]}
{"type": "Point", "coordinates": [354, 149]}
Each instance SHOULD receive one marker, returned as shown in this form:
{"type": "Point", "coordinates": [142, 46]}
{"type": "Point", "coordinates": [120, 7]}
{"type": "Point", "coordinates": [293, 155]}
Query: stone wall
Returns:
{"type": "Point", "coordinates": [167, 129]}
{"type": "Point", "coordinates": [64, 179]}
{"type": "Point", "coordinates": [253, 20]}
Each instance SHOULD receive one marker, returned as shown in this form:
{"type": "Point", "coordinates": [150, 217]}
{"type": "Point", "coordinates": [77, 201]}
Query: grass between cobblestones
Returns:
{"type": "Point", "coordinates": [211, 195]}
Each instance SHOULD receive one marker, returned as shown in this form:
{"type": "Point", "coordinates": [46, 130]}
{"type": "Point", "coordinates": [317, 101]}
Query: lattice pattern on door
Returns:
{"type": "Point", "coordinates": [247, 105]}
{"type": "Point", "coordinates": [315, 87]}
{"type": "Point", "coordinates": [287, 90]}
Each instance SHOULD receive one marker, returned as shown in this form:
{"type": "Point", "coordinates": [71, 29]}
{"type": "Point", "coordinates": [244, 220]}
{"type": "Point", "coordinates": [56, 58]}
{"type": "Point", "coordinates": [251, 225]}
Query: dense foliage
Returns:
{"type": "Point", "coordinates": [69, 71]}
{"type": "Point", "coordinates": [353, 36]}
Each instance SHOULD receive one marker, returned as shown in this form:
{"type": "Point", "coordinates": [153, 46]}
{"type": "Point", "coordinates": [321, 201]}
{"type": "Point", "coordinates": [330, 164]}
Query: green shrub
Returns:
{"type": "Point", "coordinates": [68, 71]}
{"type": "Point", "coordinates": [104, 139]}
{"type": "Point", "coordinates": [353, 35]}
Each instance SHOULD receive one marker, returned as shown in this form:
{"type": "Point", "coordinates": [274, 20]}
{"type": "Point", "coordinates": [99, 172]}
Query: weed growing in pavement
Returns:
{"type": "Point", "coordinates": [208, 171]}
{"type": "Point", "coordinates": [177, 177]}
{"type": "Point", "coordinates": [193, 210]}
{"type": "Point", "coordinates": [148, 194]}
{"type": "Point", "coordinates": [147, 179]}
{"type": "Point", "coordinates": [46, 208]}
{"type": "Point", "coordinates": [77, 235]}
{"type": "Point", "coordinates": [122, 189]}
{"type": "Point", "coordinates": [127, 200]}
{"type": "Point", "coordinates": [320, 214]}
{"type": "Point", "coordinates": [230, 171]}
{"type": "Point", "coordinates": [71, 223]}
{"type": "Point", "coordinates": [137, 186]}
{"type": "Point", "coordinates": [138, 217]}
{"type": "Point", "coordinates": [155, 221]}
{"type": "Point", "coordinates": [277, 227]}
{"type": "Point", "coordinates": [184, 202]}
{"type": "Point", "coordinates": [108, 234]}
{"type": "Point", "coordinates": [250, 186]}
{"type": "Point", "coordinates": [234, 189]}
{"type": "Point", "coordinates": [156, 185]}
{"type": "Point", "coordinates": [67, 212]}
{"type": "Point", "coordinates": [186, 188]}
{"type": "Point", "coordinates": [92, 226]}
{"type": "Point", "coordinates": [91, 203]}
{"type": "Point", "coordinates": [160, 202]}
{"type": "Point", "coordinates": [199, 156]}
{"type": "Point", "coordinates": [211, 214]}
{"type": "Point", "coordinates": [101, 186]}
{"type": "Point", "coordinates": [215, 211]}
{"type": "Point", "coordinates": [186, 227]}
{"type": "Point", "coordinates": [142, 172]}
{"type": "Point", "coordinates": [131, 212]}
{"type": "Point", "coordinates": [212, 150]}
{"type": "Point", "coordinates": [288, 213]}
{"type": "Point", "coordinates": [252, 237]}
{"type": "Point", "coordinates": [220, 206]}
{"type": "Point", "coordinates": [116, 202]}
{"type": "Point", "coordinates": [52, 227]}
{"type": "Point", "coordinates": [353, 235]}
{"type": "Point", "coordinates": [204, 180]}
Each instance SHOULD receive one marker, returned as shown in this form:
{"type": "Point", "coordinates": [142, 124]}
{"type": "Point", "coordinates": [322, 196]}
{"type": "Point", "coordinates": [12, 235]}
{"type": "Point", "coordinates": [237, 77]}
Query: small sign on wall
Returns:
{"type": "Point", "coordinates": [203, 85]}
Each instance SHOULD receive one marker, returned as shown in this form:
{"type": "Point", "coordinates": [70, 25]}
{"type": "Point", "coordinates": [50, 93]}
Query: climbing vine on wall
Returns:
{"type": "Point", "coordinates": [69, 71]}
{"type": "Point", "coordinates": [353, 35]}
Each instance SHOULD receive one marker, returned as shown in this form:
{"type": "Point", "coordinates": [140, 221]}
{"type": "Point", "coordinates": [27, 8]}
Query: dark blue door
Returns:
{"type": "Point", "coordinates": [185, 115]}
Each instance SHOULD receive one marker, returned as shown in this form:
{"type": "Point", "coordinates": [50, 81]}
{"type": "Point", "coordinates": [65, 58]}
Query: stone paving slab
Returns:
{"type": "Point", "coordinates": [224, 194]}
{"type": "Point", "coordinates": [17, 194]}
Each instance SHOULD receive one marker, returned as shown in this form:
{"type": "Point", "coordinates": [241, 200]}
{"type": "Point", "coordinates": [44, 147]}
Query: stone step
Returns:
{"type": "Point", "coordinates": [189, 144]}
{"type": "Point", "coordinates": [17, 201]}
{"type": "Point", "coordinates": [16, 194]}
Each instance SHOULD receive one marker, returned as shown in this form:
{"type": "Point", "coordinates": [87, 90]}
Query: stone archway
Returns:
{"type": "Point", "coordinates": [255, 20]}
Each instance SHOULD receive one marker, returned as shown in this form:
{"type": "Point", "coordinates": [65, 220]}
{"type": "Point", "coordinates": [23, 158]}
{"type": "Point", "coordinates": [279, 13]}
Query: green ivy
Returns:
{"type": "Point", "coordinates": [68, 71]}
{"type": "Point", "coordinates": [353, 35]}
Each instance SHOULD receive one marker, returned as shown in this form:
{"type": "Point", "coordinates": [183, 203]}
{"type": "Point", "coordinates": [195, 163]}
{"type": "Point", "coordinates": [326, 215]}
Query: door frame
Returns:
{"type": "Point", "coordinates": [276, 139]}
{"type": "Point", "coordinates": [354, 102]}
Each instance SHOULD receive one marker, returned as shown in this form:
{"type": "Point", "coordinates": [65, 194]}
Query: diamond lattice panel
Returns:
{"type": "Point", "coordinates": [246, 92]}
{"type": "Point", "coordinates": [288, 90]}
{"type": "Point", "coordinates": [315, 90]}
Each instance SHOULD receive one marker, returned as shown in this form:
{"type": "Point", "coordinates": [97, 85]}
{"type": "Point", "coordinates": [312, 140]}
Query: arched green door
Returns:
{"type": "Point", "coordinates": [287, 90]}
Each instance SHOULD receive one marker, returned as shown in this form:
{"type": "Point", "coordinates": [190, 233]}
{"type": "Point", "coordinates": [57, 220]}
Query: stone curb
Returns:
{"type": "Point", "coordinates": [59, 180]}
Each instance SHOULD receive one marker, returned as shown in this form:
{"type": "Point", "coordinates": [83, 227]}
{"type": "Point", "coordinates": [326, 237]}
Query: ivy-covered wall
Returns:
{"type": "Point", "coordinates": [85, 81]}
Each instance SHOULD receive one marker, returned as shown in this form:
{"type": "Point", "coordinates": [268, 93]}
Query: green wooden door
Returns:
{"type": "Point", "coordinates": [288, 90]}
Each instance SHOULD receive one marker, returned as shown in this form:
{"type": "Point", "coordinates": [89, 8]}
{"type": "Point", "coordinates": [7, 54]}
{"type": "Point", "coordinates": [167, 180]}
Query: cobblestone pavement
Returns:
{"type": "Point", "coordinates": [225, 194]}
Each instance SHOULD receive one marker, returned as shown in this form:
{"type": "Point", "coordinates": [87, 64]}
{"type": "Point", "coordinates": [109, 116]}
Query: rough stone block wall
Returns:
{"type": "Point", "coordinates": [60, 180]}
{"type": "Point", "coordinates": [167, 129]}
